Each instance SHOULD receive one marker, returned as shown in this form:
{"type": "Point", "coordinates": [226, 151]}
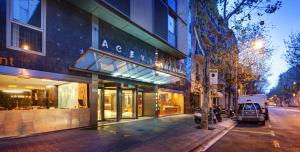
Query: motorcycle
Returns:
{"type": "Point", "coordinates": [217, 112]}
{"type": "Point", "coordinates": [212, 116]}
{"type": "Point", "coordinates": [197, 115]}
{"type": "Point", "coordinates": [231, 113]}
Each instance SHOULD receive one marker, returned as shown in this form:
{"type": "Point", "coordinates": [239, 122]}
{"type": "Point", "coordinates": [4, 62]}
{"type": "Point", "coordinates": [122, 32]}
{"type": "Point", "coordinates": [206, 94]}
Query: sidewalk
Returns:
{"type": "Point", "coordinates": [175, 133]}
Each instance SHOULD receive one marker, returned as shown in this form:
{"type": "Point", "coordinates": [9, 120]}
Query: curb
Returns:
{"type": "Point", "coordinates": [212, 139]}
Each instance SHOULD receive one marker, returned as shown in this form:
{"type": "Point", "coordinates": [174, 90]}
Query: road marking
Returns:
{"type": "Point", "coordinates": [214, 140]}
{"type": "Point", "coordinates": [272, 133]}
{"type": "Point", "coordinates": [276, 144]}
{"type": "Point", "coordinates": [255, 132]}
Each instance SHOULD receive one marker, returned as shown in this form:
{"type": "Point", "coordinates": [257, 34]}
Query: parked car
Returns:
{"type": "Point", "coordinates": [250, 111]}
{"type": "Point", "coordinates": [261, 99]}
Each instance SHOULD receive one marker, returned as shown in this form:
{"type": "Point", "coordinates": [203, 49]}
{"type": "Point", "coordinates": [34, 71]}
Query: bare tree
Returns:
{"type": "Point", "coordinates": [202, 13]}
{"type": "Point", "coordinates": [293, 52]}
{"type": "Point", "coordinates": [243, 10]}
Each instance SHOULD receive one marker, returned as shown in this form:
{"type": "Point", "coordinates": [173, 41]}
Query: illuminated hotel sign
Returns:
{"type": "Point", "coordinates": [118, 42]}
{"type": "Point", "coordinates": [9, 61]}
{"type": "Point", "coordinates": [130, 53]}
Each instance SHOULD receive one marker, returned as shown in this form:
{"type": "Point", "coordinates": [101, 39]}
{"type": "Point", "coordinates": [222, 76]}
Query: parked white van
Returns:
{"type": "Point", "coordinates": [261, 99]}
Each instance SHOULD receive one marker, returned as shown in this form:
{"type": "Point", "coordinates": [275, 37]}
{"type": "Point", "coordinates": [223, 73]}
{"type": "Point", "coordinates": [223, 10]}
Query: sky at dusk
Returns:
{"type": "Point", "coordinates": [285, 21]}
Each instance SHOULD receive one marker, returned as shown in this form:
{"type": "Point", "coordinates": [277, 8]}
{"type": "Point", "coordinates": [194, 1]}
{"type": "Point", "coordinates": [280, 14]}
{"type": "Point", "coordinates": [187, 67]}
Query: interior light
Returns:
{"type": "Point", "coordinates": [24, 74]}
{"type": "Point", "coordinates": [50, 86]}
{"type": "Point", "coordinates": [12, 86]}
{"type": "Point", "coordinates": [157, 64]}
{"type": "Point", "coordinates": [46, 80]}
{"type": "Point", "coordinates": [13, 91]}
{"type": "Point", "coordinates": [28, 87]}
{"type": "Point", "coordinates": [115, 74]}
{"type": "Point", "coordinates": [25, 47]}
{"type": "Point", "coordinates": [126, 75]}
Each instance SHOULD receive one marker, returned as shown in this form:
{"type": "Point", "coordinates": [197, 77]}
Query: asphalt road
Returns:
{"type": "Point", "coordinates": [281, 133]}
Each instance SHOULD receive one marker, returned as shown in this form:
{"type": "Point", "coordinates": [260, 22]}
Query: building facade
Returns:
{"type": "Point", "coordinates": [209, 33]}
{"type": "Point", "coordinates": [72, 63]}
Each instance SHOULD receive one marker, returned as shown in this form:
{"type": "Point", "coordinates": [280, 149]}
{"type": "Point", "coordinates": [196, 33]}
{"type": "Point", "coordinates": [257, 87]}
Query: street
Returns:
{"type": "Point", "coordinates": [281, 133]}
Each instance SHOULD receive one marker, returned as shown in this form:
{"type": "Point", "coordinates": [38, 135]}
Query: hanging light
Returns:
{"type": "Point", "coordinates": [25, 47]}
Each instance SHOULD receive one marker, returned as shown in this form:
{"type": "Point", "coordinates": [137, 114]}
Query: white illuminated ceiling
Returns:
{"type": "Point", "coordinates": [12, 82]}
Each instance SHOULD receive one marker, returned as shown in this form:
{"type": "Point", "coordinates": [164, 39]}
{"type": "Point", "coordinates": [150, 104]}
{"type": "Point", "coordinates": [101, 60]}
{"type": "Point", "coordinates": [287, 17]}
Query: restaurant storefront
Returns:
{"type": "Point", "coordinates": [35, 101]}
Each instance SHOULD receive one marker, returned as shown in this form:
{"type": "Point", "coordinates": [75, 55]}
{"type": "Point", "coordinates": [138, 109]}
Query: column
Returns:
{"type": "Point", "coordinates": [136, 102]}
{"type": "Point", "coordinates": [119, 102]}
{"type": "Point", "coordinates": [94, 100]}
{"type": "Point", "coordinates": [156, 101]}
{"type": "Point", "coordinates": [102, 104]}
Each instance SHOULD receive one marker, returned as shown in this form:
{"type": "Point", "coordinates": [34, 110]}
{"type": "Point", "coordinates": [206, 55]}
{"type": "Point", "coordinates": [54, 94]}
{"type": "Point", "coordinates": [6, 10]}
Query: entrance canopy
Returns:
{"type": "Point", "coordinates": [97, 61]}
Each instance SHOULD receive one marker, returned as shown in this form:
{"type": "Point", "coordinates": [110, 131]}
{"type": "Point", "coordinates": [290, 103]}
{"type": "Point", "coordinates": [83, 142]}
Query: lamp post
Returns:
{"type": "Point", "coordinates": [295, 94]}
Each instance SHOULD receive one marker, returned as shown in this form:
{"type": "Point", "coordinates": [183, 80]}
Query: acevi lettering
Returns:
{"type": "Point", "coordinates": [118, 48]}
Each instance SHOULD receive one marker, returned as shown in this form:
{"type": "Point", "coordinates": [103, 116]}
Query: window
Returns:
{"type": "Point", "coordinates": [171, 24]}
{"type": "Point", "coordinates": [26, 25]}
{"type": "Point", "coordinates": [32, 93]}
{"type": "Point", "coordinates": [172, 4]}
{"type": "Point", "coordinates": [171, 30]}
{"type": "Point", "coordinates": [170, 103]}
{"type": "Point", "coordinates": [249, 106]}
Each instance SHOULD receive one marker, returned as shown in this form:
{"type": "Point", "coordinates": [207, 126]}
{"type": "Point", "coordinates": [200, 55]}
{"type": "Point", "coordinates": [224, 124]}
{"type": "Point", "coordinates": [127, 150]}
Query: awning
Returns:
{"type": "Point", "coordinates": [97, 61]}
{"type": "Point", "coordinates": [218, 94]}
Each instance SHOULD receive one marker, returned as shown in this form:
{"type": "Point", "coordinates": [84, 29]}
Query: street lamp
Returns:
{"type": "Point", "coordinates": [296, 91]}
{"type": "Point", "coordinates": [258, 44]}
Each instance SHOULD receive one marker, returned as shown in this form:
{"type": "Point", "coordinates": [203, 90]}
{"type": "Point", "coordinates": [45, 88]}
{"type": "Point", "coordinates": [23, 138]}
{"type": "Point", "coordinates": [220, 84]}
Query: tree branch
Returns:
{"type": "Point", "coordinates": [238, 7]}
{"type": "Point", "coordinates": [225, 8]}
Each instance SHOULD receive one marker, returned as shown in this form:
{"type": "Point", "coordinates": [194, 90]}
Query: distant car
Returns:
{"type": "Point", "coordinates": [250, 111]}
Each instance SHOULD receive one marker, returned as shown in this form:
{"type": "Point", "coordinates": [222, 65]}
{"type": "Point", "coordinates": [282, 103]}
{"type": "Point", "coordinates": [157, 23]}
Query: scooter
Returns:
{"type": "Point", "coordinates": [212, 116]}
{"type": "Point", "coordinates": [231, 113]}
{"type": "Point", "coordinates": [217, 112]}
{"type": "Point", "coordinates": [197, 115]}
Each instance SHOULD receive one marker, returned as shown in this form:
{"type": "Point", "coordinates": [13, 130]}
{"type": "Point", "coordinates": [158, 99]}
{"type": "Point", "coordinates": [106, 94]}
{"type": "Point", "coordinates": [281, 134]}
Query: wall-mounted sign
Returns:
{"type": "Point", "coordinates": [213, 76]}
{"type": "Point", "coordinates": [118, 49]}
{"type": "Point", "coordinates": [118, 42]}
{"type": "Point", "coordinates": [8, 61]}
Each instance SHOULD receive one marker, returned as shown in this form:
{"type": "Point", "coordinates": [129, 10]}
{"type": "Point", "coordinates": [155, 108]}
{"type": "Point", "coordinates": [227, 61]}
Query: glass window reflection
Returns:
{"type": "Point", "coordinates": [27, 12]}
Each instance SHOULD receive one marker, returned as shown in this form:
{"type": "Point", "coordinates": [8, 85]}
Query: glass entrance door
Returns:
{"type": "Point", "coordinates": [140, 104]}
{"type": "Point", "coordinates": [110, 104]}
{"type": "Point", "coordinates": [128, 109]}
{"type": "Point", "coordinates": [99, 105]}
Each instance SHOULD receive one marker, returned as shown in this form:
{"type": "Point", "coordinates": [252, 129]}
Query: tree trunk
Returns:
{"type": "Point", "coordinates": [204, 122]}
{"type": "Point", "coordinates": [229, 101]}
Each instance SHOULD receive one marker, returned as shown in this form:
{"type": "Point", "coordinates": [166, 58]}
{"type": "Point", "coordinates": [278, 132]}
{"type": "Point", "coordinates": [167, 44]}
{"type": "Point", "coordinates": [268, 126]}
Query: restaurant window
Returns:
{"type": "Point", "coordinates": [26, 25]}
{"type": "Point", "coordinates": [170, 103]}
{"type": "Point", "coordinates": [18, 93]}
